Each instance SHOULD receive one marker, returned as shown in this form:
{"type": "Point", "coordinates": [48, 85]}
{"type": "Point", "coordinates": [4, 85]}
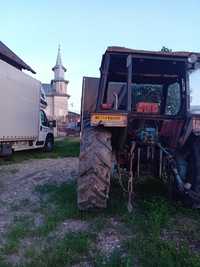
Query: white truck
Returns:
{"type": "Point", "coordinates": [23, 122]}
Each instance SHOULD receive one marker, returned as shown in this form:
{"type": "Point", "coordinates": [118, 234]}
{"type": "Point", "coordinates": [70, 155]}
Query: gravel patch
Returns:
{"type": "Point", "coordinates": [19, 180]}
{"type": "Point", "coordinates": [112, 237]}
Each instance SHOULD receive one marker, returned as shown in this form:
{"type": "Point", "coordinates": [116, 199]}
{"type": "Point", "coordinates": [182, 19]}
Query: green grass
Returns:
{"type": "Point", "coordinates": [16, 232]}
{"type": "Point", "coordinates": [152, 252]}
{"type": "Point", "coordinates": [115, 260]}
{"type": "Point", "coordinates": [151, 215]}
{"type": "Point", "coordinates": [71, 249]}
{"type": "Point", "coordinates": [146, 247]}
{"type": "Point", "coordinates": [67, 147]}
{"type": "Point", "coordinates": [3, 262]}
{"type": "Point", "coordinates": [154, 214]}
{"type": "Point", "coordinates": [58, 203]}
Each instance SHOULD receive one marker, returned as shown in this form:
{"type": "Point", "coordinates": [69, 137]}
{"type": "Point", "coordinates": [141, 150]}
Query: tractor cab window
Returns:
{"type": "Point", "coordinates": [173, 100]}
{"type": "Point", "coordinates": [147, 96]}
{"type": "Point", "coordinates": [117, 95]}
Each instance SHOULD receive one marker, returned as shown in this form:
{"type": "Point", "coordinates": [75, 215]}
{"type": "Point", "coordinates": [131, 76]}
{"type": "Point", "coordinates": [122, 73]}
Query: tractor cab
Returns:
{"type": "Point", "coordinates": [145, 82]}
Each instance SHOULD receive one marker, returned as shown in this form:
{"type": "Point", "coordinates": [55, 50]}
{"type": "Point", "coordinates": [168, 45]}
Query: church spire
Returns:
{"type": "Point", "coordinates": [59, 69]}
{"type": "Point", "coordinates": [59, 59]}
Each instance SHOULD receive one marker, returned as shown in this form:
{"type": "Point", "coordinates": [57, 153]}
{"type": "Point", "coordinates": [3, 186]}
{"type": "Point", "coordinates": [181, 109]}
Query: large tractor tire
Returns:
{"type": "Point", "coordinates": [190, 174]}
{"type": "Point", "coordinates": [195, 169]}
{"type": "Point", "coordinates": [95, 163]}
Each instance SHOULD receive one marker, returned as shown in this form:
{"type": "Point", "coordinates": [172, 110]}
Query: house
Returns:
{"type": "Point", "coordinates": [73, 117]}
{"type": "Point", "coordinates": [11, 58]}
{"type": "Point", "coordinates": [73, 126]}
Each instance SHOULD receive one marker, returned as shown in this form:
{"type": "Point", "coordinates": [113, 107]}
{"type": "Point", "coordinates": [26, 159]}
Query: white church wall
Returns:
{"type": "Point", "coordinates": [49, 109]}
{"type": "Point", "coordinates": [60, 105]}
{"type": "Point", "coordinates": [60, 87]}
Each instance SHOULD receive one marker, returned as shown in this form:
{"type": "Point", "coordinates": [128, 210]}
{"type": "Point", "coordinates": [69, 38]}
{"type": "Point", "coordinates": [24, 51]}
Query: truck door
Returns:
{"type": "Point", "coordinates": [44, 127]}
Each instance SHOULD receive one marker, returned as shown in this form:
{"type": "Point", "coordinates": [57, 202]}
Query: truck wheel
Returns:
{"type": "Point", "coordinates": [95, 163]}
{"type": "Point", "coordinates": [48, 144]}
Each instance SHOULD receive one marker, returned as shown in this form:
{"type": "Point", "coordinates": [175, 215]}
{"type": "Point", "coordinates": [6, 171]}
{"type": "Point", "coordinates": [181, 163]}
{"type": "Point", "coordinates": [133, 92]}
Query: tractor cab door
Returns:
{"type": "Point", "coordinates": [194, 81]}
{"type": "Point", "coordinates": [171, 129]}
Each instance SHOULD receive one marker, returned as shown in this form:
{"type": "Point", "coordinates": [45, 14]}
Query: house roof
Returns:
{"type": "Point", "coordinates": [119, 49]}
{"type": "Point", "coordinates": [11, 58]}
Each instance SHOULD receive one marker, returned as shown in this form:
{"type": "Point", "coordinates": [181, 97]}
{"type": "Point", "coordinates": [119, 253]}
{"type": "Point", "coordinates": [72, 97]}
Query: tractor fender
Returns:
{"type": "Point", "coordinates": [192, 127]}
{"type": "Point", "coordinates": [187, 130]}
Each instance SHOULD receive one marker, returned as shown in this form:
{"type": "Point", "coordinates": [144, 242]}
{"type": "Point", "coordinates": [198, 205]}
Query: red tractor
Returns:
{"type": "Point", "coordinates": [136, 118]}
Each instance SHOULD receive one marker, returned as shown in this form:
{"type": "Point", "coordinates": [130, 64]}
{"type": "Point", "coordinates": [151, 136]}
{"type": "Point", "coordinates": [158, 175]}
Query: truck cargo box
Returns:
{"type": "Point", "coordinates": [19, 104]}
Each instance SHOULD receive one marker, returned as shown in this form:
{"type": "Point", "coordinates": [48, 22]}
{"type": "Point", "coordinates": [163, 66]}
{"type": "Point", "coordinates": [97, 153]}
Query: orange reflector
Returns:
{"type": "Point", "coordinates": [144, 107]}
{"type": "Point", "coordinates": [106, 106]}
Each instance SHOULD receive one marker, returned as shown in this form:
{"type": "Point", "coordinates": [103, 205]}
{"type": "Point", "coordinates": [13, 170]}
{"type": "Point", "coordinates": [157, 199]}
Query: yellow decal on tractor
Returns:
{"type": "Point", "coordinates": [109, 120]}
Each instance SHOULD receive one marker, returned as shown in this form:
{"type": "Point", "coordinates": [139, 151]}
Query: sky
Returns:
{"type": "Point", "coordinates": [33, 30]}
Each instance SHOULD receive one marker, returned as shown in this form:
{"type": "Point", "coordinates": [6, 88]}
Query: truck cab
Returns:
{"type": "Point", "coordinates": [46, 135]}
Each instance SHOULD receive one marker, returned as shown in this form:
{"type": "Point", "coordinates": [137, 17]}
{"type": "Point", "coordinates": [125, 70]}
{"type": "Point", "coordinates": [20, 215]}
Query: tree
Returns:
{"type": "Point", "coordinates": [166, 49]}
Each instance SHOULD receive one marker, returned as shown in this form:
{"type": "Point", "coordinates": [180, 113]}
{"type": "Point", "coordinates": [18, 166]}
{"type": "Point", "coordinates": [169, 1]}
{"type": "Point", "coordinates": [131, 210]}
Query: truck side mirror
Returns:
{"type": "Point", "coordinates": [52, 124]}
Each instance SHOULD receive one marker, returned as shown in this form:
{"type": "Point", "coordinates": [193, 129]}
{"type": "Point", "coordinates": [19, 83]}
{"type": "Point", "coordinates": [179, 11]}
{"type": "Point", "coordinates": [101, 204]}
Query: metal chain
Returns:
{"type": "Point", "coordinates": [120, 179]}
{"type": "Point", "coordinates": [129, 189]}
{"type": "Point", "coordinates": [130, 182]}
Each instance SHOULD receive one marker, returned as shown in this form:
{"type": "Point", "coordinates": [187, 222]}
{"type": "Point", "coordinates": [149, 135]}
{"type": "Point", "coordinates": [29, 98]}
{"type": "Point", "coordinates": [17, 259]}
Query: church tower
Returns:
{"type": "Point", "coordinates": [60, 95]}
{"type": "Point", "coordinates": [57, 96]}
{"type": "Point", "coordinates": [59, 83]}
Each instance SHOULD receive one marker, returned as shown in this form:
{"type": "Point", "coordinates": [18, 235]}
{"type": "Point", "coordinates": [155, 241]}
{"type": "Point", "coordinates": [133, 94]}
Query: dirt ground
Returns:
{"type": "Point", "coordinates": [40, 224]}
{"type": "Point", "coordinates": [17, 182]}
{"type": "Point", "coordinates": [19, 200]}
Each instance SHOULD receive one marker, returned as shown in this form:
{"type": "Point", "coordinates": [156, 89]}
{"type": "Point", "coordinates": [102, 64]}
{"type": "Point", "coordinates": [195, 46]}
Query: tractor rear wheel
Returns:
{"type": "Point", "coordinates": [195, 168]}
{"type": "Point", "coordinates": [190, 174]}
{"type": "Point", "coordinates": [95, 163]}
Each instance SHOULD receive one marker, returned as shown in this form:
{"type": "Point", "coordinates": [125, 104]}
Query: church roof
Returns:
{"type": "Point", "coordinates": [50, 91]}
{"type": "Point", "coordinates": [11, 58]}
{"type": "Point", "coordinates": [59, 59]}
